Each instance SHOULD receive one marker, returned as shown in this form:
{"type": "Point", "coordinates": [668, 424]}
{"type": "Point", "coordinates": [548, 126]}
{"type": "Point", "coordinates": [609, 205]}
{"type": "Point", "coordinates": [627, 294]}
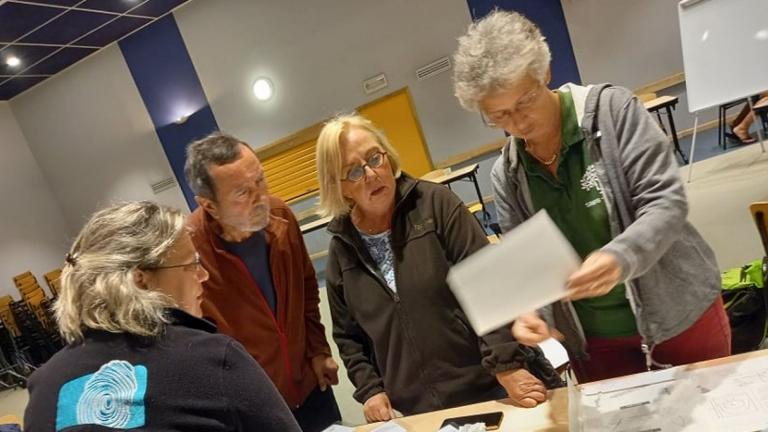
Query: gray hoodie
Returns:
{"type": "Point", "coordinates": [669, 270]}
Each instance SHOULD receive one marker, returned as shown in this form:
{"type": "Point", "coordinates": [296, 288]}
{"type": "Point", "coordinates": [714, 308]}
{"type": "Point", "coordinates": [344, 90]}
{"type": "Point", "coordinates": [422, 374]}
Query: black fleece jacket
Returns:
{"type": "Point", "coordinates": [189, 379]}
{"type": "Point", "coordinates": [416, 345]}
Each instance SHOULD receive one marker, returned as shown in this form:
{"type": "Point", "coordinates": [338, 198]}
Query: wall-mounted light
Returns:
{"type": "Point", "coordinates": [182, 119]}
{"type": "Point", "coordinates": [263, 89]}
{"type": "Point", "coordinates": [12, 61]}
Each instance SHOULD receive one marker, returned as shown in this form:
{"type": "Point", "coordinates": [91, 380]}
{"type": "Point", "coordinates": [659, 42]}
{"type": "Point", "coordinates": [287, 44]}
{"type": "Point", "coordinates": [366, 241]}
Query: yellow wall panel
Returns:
{"type": "Point", "coordinates": [292, 172]}
{"type": "Point", "coordinates": [396, 116]}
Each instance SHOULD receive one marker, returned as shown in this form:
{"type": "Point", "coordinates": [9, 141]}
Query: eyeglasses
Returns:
{"type": "Point", "coordinates": [357, 172]}
{"type": "Point", "coordinates": [193, 266]}
{"type": "Point", "coordinates": [499, 118]}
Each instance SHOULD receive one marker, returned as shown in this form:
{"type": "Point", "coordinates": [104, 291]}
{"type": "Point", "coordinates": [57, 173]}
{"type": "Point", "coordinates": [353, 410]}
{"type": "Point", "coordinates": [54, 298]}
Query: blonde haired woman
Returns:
{"type": "Point", "coordinates": [138, 354]}
{"type": "Point", "coordinates": [402, 336]}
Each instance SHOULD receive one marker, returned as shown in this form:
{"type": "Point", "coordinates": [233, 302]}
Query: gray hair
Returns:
{"type": "Point", "coordinates": [98, 290]}
{"type": "Point", "coordinates": [217, 148]}
{"type": "Point", "coordinates": [496, 52]}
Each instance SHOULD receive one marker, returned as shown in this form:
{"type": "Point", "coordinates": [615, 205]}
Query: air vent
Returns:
{"type": "Point", "coordinates": [438, 66]}
{"type": "Point", "coordinates": [374, 84]}
{"type": "Point", "coordinates": [163, 185]}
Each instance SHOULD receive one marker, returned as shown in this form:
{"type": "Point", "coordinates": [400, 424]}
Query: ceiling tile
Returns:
{"type": "Point", "coordinates": [66, 3]}
{"type": "Point", "coordinates": [28, 55]}
{"type": "Point", "coordinates": [118, 6]}
{"type": "Point", "coordinates": [19, 19]}
{"type": "Point", "coordinates": [17, 85]}
{"type": "Point", "coordinates": [59, 61]}
{"type": "Point", "coordinates": [112, 31]}
{"type": "Point", "coordinates": [156, 8]}
{"type": "Point", "coordinates": [68, 27]}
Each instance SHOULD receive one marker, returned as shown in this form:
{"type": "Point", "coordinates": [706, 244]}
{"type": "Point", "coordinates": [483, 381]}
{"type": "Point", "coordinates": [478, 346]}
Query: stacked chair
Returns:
{"type": "Point", "coordinates": [15, 364]}
{"type": "Point", "coordinates": [53, 279]}
{"type": "Point", "coordinates": [28, 332]}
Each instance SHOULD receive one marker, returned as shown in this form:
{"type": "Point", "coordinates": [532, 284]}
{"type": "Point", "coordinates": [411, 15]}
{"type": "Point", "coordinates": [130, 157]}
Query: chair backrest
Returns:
{"type": "Point", "coordinates": [52, 275]}
{"type": "Point", "coordinates": [34, 297]}
{"type": "Point", "coordinates": [55, 286]}
{"type": "Point", "coordinates": [759, 212]}
{"type": "Point", "coordinates": [31, 289]}
{"type": "Point", "coordinates": [52, 279]}
{"type": "Point", "coordinates": [7, 316]}
{"type": "Point", "coordinates": [24, 277]}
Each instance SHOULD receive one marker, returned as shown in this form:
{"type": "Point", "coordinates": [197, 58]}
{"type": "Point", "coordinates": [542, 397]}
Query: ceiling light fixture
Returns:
{"type": "Point", "coordinates": [263, 89]}
{"type": "Point", "coordinates": [12, 61]}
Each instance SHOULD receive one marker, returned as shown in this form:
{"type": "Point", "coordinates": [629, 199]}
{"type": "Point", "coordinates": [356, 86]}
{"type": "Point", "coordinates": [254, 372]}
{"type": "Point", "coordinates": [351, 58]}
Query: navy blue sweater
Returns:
{"type": "Point", "coordinates": [190, 379]}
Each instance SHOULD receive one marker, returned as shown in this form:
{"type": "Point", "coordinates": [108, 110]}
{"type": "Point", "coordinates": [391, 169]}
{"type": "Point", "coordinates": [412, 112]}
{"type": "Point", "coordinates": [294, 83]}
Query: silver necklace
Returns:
{"type": "Point", "coordinates": [545, 162]}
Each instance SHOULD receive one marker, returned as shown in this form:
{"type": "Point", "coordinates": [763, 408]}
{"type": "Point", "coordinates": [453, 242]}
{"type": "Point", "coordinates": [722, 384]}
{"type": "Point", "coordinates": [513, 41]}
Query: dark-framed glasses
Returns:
{"type": "Point", "coordinates": [357, 172]}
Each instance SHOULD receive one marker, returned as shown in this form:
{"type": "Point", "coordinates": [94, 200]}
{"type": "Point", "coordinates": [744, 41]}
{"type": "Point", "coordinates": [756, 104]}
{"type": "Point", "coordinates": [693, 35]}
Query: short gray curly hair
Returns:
{"type": "Point", "coordinates": [496, 52]}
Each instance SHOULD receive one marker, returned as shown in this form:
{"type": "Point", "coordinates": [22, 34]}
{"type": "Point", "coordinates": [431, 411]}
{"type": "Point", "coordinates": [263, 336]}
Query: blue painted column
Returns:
{"type": "Point", "coordinates": [548, 15]}
{"type": "Point", "coordinates": [171, 90]}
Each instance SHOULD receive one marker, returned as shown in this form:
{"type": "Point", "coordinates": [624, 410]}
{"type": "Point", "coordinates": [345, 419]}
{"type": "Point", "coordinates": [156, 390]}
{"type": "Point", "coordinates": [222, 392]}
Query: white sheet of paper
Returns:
{"type": "Point", "coordinates": [390, 426]}
{"type": "Point", "coordinates": [528, 269]}
{"type": "Point", "coordinates": [338, 428]}
{"type": "Point", "coordinates": [555, 352]}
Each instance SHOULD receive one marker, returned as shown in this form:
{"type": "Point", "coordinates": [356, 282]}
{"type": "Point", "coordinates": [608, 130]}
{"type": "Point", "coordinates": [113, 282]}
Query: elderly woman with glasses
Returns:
{"type": "Point", "coordinates": [403, 337]}
{"type": "Point", "coordinates": [138, 353]}
{"type": "Point", "coordinates": [648, 291]}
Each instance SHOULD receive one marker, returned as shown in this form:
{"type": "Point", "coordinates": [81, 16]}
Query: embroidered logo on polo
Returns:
{"type": "Point", "coordinates": [112, 397]}
{"type": "Point", "coordinates": [590, 181]}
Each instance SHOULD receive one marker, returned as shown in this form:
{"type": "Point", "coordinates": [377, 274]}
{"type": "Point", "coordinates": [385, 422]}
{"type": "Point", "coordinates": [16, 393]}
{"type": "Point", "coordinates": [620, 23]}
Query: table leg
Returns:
{"type": "Point", "coordinates": [674, 135]}
{"type": "Point", "coordinates": [486, 215]}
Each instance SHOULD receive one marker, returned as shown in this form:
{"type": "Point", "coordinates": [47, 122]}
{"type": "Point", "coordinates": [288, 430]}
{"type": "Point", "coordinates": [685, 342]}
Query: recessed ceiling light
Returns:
{"type": "Point", "coordinates": [262, 89]}
{"type": "Point", "coordinates": [12, 61]}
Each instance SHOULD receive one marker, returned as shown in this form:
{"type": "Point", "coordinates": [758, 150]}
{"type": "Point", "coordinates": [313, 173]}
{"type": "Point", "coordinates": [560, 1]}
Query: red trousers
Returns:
{"type": "Point", "coordinates": [708, 338]}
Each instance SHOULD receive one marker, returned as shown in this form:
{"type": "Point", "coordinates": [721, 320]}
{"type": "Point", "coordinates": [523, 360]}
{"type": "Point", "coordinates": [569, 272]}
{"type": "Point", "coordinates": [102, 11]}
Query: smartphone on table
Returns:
{"type": "Point", "coordinates": [492, 420]}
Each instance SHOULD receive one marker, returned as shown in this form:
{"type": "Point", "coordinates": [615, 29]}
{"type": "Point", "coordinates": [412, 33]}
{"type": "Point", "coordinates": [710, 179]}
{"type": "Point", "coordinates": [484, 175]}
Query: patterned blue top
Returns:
{"type": "Point", "coordinates": [380, 248]}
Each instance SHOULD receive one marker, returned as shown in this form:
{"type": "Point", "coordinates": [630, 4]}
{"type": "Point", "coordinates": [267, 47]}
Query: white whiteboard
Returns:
{"type": "Point", "coordinates": [725, 50]}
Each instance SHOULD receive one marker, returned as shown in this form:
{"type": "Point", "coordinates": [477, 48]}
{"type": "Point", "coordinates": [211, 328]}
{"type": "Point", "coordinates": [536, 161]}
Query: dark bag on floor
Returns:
{"type": "Point", "coordinates": [746, 303]}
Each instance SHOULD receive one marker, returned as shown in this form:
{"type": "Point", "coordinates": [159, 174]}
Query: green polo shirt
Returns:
{"type": "Point", "coordinates": [575, 203]}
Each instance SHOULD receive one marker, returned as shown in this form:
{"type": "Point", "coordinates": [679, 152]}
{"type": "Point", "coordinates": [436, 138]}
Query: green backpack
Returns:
{"type": "Point", "coordinates": [746, 303]}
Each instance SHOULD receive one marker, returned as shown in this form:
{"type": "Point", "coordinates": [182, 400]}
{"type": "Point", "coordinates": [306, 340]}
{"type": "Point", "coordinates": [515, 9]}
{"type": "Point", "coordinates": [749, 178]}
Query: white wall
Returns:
{"type": "Point", "coordinates": [93, 138]}
{"type": "Point", "coordinates": [630, 43]}
{"type": "Point", "coordinates": [626, 42]}
{"type": "Point", "coordinates": [318, 53]}
{"type": "Point", "coordinates": [33, 234]}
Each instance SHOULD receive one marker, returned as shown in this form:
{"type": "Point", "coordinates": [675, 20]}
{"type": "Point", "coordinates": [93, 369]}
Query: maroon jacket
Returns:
{"type": "Point", "coordinates": [284, 344]}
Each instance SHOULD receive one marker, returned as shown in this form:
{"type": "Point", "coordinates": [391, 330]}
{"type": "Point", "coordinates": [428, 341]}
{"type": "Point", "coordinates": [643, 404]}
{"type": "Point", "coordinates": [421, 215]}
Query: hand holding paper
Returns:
{"type": "Point", "coordinates": [599, 274]}
{"type": "Point", "coordinates": [529, 269]}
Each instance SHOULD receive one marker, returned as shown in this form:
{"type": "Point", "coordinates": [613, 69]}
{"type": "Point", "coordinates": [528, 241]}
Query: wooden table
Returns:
{"type": "Point", "coordinates": [315, 225]}
{"type": "Point", "coordinates": [468, 172]}
{"type": "Point", "coordinates": [668, 103]}
{"type": "Point", "coordinates": [551, 416]}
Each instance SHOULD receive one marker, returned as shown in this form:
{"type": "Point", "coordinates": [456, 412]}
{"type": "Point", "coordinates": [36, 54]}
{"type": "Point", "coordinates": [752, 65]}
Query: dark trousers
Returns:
{"type": "Point", "coordinates": [318, 411]}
